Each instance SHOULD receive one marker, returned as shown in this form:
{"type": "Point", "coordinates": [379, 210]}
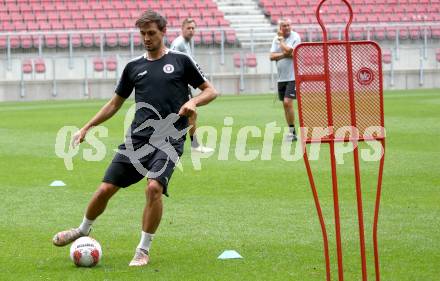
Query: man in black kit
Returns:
{"type": "Point", "coordinates": [155, 140]}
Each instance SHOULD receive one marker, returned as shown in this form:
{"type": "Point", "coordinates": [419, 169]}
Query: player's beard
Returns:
{"type": "Point", "coordinates": [152, 47]}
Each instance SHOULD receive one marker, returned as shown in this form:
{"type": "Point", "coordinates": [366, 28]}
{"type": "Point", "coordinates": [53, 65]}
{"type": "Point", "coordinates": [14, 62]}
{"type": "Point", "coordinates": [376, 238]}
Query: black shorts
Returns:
{"type": "Point", "coordinates": [158, 165]}
{"type": "Point", "coordinates": [286, 90]}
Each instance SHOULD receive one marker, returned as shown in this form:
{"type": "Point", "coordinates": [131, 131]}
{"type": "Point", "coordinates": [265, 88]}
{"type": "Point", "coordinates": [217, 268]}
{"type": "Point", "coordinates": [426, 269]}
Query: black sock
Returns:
{"type": "Point", "coordinates": [292, 129]}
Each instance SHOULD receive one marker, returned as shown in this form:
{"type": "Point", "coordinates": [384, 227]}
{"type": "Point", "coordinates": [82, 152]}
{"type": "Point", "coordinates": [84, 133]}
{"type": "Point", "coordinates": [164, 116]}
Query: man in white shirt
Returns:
{"type": "Point", "coordinates": [281, 52]}
{"type": "Point", "coordinates": [182, 44]}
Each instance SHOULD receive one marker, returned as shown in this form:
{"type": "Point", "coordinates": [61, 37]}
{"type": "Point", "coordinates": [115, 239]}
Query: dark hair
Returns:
{"type": "Point", "coordinates": [151, 16]}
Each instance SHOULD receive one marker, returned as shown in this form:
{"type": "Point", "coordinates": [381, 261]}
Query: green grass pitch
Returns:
{"type": "Point", "coordinates": [263, 208]}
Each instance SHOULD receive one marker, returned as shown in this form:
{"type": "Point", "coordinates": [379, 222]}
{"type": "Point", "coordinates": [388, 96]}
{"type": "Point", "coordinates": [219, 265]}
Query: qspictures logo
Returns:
{"type": "Point", "coordinates": [228, 141]}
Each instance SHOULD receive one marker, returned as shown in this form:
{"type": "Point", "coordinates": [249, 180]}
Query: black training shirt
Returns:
{"type": "Point", "coordinates": [163, 85]}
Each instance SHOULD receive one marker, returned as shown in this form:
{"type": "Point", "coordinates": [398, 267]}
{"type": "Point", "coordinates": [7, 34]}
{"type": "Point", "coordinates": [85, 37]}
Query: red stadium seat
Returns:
{"type": "Point", "coordinates": [207, 37]}
{"type": "Point", "coordinates": [26, 66]}
{"type": "Point", "coordinates": [171, 35]}
{"type": "Point", "coordinates": [3, 42]}
{"type": "Point", "coordinates": [435, 32]}
{"type": "Point", "coordinates": [379, 33]}
{"type": "Point", "coordinates": [251, 60]}
{"type": "Point", "coordinates": [63, 40]}
{"type": "Point", "coordinates": [386, 56]}
{"type": "Point", "coordinates": [40, 65]}
{"type": "Point", "coordinates": [237, 60]}
{"type": "Point", "coordinates": [14, 41]}
{"type": "Point", "coordinates": [37, 40]}
{"type": "Point", "coordinates": [76, 40]}
{"type": "Point", "coordinates": [414, 33]}
{"type": "Point", "coordinates": [45, 15]}
{"type": "Point", "coordinates": [197, 38]}
{"type": "Point", "coordinates": [391, 33]}
{"type": "Point", "coordinates": [45, 26]}
{"type": "Point", "coordinates": [87, 40]}
{"type": "Point", "coordinates": [50, 41]}
{"type": "Point", "coordinates": [124, 39]}
{"type": "Point", "coordinates": [218, 37]}
{"type": "Point", "coordinates": [230, 36]}
{"type": "Point", "coordinates": [98, 64]}
{"type": "Point", "coordinates": [111, 39]}
{"type": "Point", "coordinates": [137, 41]}
{"type": "Point", "coordinates": [97, 38]}
{"type": "Point", "coordinates": [111, 64]}
{"type": "Point", "coordinates": [26, 41]}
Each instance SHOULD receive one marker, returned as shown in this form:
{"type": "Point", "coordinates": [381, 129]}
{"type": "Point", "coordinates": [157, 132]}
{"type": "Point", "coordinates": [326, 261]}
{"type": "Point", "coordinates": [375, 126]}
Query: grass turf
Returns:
{"type": "Point", "coordinates": [261, 208]}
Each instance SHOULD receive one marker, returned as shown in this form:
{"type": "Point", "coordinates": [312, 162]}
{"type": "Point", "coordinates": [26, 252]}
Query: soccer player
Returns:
{"type": "Point", "coordinates": [182, 44]}
{"type": "Point", "coordinates": [281, 52]}
{"type": "Point", "coordinates": [155, 140]}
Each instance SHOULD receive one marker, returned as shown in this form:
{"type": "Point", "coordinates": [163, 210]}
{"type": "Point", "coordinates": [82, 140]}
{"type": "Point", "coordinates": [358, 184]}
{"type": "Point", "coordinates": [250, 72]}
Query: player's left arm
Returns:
{"type": "Point", "coordinates": [208, 94]}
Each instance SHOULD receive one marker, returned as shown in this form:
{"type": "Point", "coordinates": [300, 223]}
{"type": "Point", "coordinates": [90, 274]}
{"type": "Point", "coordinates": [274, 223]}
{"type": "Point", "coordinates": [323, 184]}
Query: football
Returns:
{"type": "Point", "coordinates": [85, 252]}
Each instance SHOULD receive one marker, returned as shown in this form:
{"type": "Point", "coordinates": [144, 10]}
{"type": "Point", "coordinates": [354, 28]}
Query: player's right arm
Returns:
{"type": "Point", "coordinates": [105, 113]}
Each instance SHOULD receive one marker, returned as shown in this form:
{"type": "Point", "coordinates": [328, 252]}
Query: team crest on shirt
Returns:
{"type": "Point", "coordinates": [168, 68]}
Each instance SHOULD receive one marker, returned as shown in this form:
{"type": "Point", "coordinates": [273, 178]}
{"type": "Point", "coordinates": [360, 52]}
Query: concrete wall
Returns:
{"type": "Point", "coordinates": [74, 77]}
{"type": "Point", "coordinates": [227, 84]}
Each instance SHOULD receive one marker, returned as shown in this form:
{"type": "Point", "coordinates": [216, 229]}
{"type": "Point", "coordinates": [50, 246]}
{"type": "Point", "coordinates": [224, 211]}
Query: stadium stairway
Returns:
{"type": "Point", "coordinates": [247, 18]}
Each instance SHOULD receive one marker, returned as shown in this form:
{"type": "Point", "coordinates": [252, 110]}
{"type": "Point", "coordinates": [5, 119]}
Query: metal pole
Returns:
{"type": "Point", "coordinates": [397, 44]}
{"type": "Point", "coordinates": [22, 90]}
{"type": "Point", "coordinates": [392, 69]}
{"type": "Point", "coordinates": [211, 67]}
{"type": "Point", "coordinates": [101, 45]}
{"type": "Point", "coordinates": [425, 43]}
{"type": "Point", "coordinates": [86, 81]}
{"type": "Point", "coordinates": [117, 70]}
{"type": "Point", "coordinates": [421, 76]}
{"type": "Point", "coordinates": [252, 40]}
{"type": "Point", "coordinates": [40, 45]}
{"type": "Point", "coordinates": [131, 44]}
{"type": "Point", "coordinates": [70, 51]}
{"type": "Point", "coordinates": [271, 76]}
{"type": "Point", "coordinates": [193, 50]}
{"type": "Point", "coordinates": [8, 39]}
{"type": "Point", "coordinates": [222, 47]}
{"type": "Point", "coordinates": [241, 72]}
{"type": "Point", "coordinates": [54, 80]}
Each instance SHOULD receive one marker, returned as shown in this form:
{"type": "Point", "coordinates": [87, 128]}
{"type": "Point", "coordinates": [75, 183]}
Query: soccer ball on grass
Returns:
{"type": "Point", "coordinates": [85, 252]}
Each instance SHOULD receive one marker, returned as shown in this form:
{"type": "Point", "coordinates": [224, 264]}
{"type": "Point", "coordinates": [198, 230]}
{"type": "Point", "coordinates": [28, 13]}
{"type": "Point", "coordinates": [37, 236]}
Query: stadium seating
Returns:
{"type": "Point", "coordinates": [98, 64]}
{"type": "Point", "coordinates": [366, 12]}
{"type": "Point", "coordinates": [251, 60]}
{"type": "Point", "coordinates": [237, 60]}
{"type": "Point", "coordinates": [57, 15]}
{"type": "Point", "coordinates": [40, 65]}
{"type": "Point", "coordinates": [111, 64]}
{"type": "Point", "coordinates": [26, 66]}
{"type": "Point", "coordinates": [386, 56]}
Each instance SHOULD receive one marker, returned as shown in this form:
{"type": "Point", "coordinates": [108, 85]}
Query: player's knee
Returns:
{"type": "Point", "coordinates": [105, 191]}
{"type": "Point", "coordinates": [154, 189]}
{"type": "Point", "coordinates": [287, 103]}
